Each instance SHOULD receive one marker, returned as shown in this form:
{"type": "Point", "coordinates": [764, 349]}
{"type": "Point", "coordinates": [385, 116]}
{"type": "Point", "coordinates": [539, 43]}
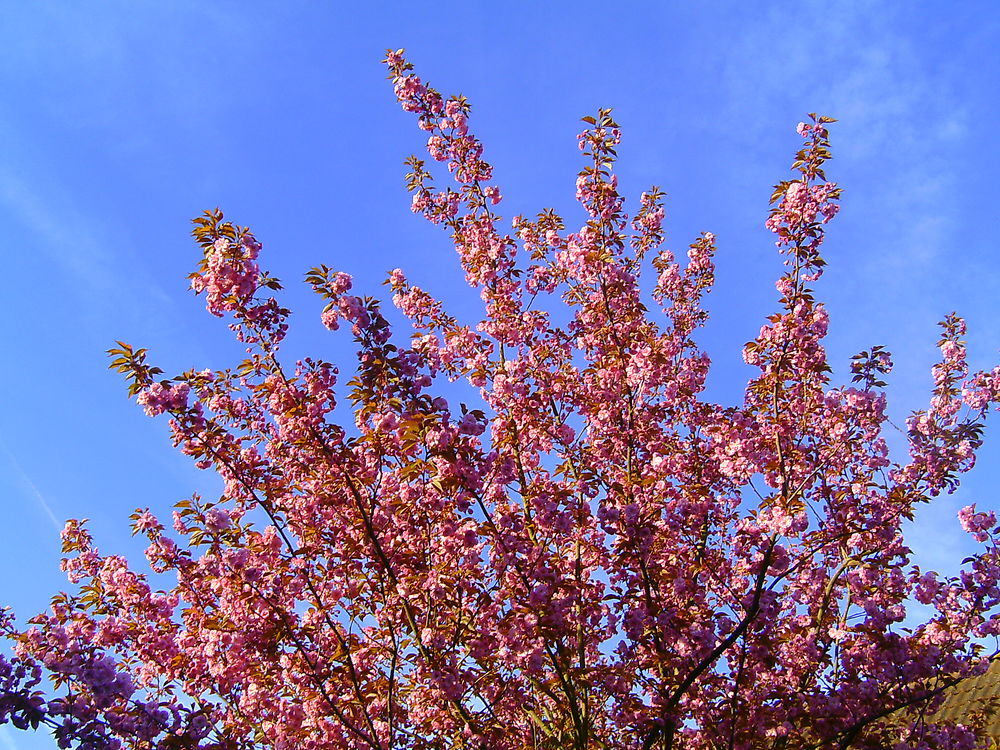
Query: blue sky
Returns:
{"type": "Point", "coordinates": [123, 120]}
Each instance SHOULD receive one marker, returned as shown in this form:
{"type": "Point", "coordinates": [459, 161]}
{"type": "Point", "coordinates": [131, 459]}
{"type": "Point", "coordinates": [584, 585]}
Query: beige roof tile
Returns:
{"type": "Point", "coordinates": [976, 694]}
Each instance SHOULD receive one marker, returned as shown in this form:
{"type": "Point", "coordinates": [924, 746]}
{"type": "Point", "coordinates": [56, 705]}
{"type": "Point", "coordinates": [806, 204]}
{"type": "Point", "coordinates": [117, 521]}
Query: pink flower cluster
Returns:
{"type": "Point", "coordinates": [979, 524]}
{"type": "Point", "coordinates": [230, 275]}
{"type": "Point", "coordinates": [802, 204]}
{"type": "Point", "coordinates": [160, 397]}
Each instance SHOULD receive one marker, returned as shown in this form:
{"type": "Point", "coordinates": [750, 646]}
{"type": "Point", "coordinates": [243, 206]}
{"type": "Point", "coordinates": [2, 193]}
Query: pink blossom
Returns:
{"type": "Point", "coordinates": [217, 519]}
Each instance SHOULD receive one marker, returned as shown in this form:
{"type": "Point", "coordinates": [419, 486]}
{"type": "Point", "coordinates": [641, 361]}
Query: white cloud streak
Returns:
{"type": "Point", "coordinates": [7, 740]}
{"type": "Point", "coordinates": [29, 485]}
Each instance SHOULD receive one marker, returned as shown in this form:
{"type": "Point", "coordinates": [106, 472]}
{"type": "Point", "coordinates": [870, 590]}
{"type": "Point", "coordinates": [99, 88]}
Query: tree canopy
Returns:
{"type": "Point", "coordinates": [591, 554]}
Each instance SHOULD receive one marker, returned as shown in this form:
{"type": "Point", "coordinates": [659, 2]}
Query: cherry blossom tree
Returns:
{"type": "Point", "coordinates": [591, 555]}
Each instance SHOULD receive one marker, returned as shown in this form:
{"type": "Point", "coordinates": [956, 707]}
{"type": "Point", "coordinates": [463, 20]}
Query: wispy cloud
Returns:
{"type": "Point", "coordinates": [60, 235]}
{"type": "Point", "coordinates": [898, 115]}
{"type": "Point", "coordinates": [25, 481]}
{"type": "Point", "coordinates": [7, 740]}
{"type": "Point", "coordinates": [76, 245]}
